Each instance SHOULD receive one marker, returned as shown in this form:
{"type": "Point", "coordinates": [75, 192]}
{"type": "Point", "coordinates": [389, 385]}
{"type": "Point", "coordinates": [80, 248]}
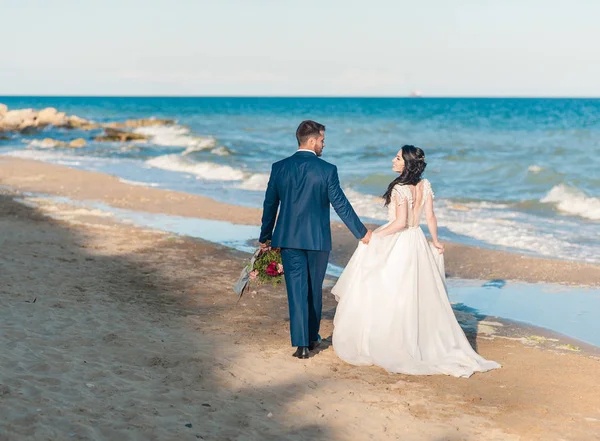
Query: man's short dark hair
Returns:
{"type": "Point", "coordinates": [307, 129]}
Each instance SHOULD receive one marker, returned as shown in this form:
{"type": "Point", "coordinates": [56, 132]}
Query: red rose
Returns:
{"type": "Point", "coordinates": [272, 269]}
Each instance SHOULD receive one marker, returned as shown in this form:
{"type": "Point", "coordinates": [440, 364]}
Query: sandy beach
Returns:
{"type": "Point", "coordinates": [114, 332]}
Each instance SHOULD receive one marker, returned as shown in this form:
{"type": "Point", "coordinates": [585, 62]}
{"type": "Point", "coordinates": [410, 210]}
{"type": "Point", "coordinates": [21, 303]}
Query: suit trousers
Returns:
{"type": "Point", "coordinates": [304, 272]}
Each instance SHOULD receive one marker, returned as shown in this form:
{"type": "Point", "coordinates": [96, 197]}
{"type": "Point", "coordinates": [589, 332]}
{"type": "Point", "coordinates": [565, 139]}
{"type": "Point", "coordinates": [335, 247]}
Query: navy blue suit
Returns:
{"type": "Point", "coordinates": [303, 187]}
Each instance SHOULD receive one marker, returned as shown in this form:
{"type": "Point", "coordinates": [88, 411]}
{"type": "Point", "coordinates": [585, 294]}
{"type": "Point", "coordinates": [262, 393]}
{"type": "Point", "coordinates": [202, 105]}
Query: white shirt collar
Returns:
{"type": "Point", "coordinates": [306, 150]}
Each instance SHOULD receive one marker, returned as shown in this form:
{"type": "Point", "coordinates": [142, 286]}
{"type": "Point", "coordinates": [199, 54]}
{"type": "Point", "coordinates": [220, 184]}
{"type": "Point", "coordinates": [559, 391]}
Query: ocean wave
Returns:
{"type": "Point", "coordinates": [221, 151]}
{"type": "Point", "coordinates": [177, 136]}
{"type": "Point", "coordinates": [571, 200]}
{"type": "Point", "coordinates": [493, 223]}
{"type": "Point", "coordinates": [202, 170]}
{"type": "Point", "coordinates": [69, 159]}
{"type": "Point", "coordinates": [366, 206]}
{"type": "Point", "coordinates": [497, 224]}
{"type": "Point", "coordinates": [211, 172]}
{"type": "Point", "coordinates": [535, 168]}
{"type": "Point", "coordinates": [63, 157]}
{"type": "Point", "coordinates": [138, 183]}
{"type": "Point", "coordinates": [256, 182]}
{"type": "Point", "coordinates": [43, 155]}
{"type": "Point", "coordinates": [373, 180]}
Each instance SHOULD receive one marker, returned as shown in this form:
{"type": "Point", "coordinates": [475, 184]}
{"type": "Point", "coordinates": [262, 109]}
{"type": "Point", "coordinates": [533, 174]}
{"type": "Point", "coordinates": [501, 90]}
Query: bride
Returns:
{"type": "Point", "coordinates": [393, 306]}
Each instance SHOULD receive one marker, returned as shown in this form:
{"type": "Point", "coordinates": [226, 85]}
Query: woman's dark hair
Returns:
{"type": "Point", "coordinates": [414, 166]}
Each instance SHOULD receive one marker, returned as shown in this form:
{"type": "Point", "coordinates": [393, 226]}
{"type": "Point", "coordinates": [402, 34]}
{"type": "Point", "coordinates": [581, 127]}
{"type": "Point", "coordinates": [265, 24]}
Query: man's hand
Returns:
{"type": "Point", "coordinates": [367, 237]}
{"type": "Point", "coordinates": [263, 246]}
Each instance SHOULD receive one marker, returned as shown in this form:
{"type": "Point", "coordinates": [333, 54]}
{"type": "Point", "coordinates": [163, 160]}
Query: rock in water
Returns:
{"type": "Point", "coordinates": [29, 120]}
{"type": "Point", "coordinates": [77, 143]}
{"type": "Point", "coordinates": [18, 119]}
{"type": "Point", "coordinates": [75, 122]}
{"type": "Point", "coordinates": [51, 116]}
{"type": "Point", "coordinates": [145, 122]}
{"type": "Point", "coordinates": [48, 143]}
{"type": "Point", "coordinates": [114, 135]}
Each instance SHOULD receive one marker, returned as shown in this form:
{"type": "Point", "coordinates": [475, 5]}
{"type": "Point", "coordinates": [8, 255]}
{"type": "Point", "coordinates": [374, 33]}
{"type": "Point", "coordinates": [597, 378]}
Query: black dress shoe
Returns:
{"type": "Point", "coordinates": [314, 344]}
{"type": "Point", "coordinates": [301, 352]}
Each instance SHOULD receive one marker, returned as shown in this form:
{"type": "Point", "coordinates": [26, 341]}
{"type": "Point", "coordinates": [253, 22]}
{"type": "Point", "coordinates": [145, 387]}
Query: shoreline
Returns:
{"type": "Point", "coordinates": [462, 261]}
{"type": "Point", "coordinates": [501, 325]}
{"type": "Point", "coordinates": [477, 322]}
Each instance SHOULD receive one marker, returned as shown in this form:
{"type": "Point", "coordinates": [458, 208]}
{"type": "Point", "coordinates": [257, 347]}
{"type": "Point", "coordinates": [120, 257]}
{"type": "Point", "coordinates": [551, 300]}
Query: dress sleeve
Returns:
{"type": "Point", "coordinates": [427, 190]}
{"type": "Point", "coordinates": [399, 196]}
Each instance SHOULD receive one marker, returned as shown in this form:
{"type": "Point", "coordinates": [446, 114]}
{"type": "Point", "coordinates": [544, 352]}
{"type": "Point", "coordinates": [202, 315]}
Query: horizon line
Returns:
{"type": "Point", "coordinates": [308, 96]}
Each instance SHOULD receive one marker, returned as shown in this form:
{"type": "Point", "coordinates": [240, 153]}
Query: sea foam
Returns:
{"type": "Point", "coordinates": [255, 182]}
{"type": "Point", "coordinates": [573, 201]}
{"type": "Point", "coordinates": [535, 169]}
{"type": "Point", "coordinates": [139, 183]}
{"type": "Point", "coordinates": [202, 170]}
{"type": "Point", "coordinates": [177, 136]}
{"type": "Point", "coordinates": [496, 224]}
{"type": "Point", "coordinates": [367, 206]}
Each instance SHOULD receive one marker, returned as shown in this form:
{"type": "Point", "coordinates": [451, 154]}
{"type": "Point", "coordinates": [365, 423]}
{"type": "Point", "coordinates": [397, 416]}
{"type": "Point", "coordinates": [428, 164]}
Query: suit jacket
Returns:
{"type": "Point", "coordinates": [305, 186]}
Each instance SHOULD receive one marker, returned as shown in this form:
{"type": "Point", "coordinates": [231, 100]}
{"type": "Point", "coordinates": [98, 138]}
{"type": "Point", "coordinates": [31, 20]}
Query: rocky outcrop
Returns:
{"type": "Point", "coordinates": [47, 143]}
{"type": "Point", "coordinates": [51, 117]}
{"type": "Point", "coordinates": [18, 119]}
{"type": "Point", "coordinates": [135, 123]}
{"type": "Point", "coordinates": [115, 135]}
{"type": "Point", "coordinates": [77, 143]}
{"type": "Point", "coordinates": [29, 120]}
{"type": "Point", "coordinates": [75, 122]}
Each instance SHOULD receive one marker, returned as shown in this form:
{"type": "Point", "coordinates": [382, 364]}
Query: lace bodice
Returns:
{"type": "Point", "coordinates": [403, 194]}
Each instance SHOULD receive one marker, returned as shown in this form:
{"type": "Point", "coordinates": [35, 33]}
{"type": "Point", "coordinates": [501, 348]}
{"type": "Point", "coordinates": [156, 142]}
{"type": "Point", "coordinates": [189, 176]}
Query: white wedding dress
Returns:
{"type": "Point", "coordinates": [393, 306]}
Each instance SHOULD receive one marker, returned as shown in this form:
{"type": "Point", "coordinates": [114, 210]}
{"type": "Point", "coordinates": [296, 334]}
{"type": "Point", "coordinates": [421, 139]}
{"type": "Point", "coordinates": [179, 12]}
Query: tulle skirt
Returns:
{"type": "Point", "coordinates": [394, 311]}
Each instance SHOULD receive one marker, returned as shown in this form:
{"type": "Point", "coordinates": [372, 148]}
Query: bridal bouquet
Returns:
{"type": "Point", "coordinates": [267, 267]}
{"type": "Point", "coordinates": [264, 267]}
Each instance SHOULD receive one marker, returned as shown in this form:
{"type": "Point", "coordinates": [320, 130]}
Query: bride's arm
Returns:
{"type": "Point", "coordinates": [432, 223]}
{"type": "Point", "coordinates": [398, 224]}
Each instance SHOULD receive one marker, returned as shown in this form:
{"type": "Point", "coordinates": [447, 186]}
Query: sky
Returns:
{"type": "Point", "coordinates": [300, 48]}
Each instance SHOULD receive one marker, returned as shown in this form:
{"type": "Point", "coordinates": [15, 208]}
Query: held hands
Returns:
{"type": "Point", "coordinates": [439, 246]}
{"type": "Point", "coordinates": [367, 237]}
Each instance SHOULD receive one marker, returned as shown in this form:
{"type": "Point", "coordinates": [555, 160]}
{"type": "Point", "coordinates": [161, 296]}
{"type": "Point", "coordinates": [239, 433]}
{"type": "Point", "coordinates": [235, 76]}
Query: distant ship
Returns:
{"type": "Point", "coordinates": [415, 94]}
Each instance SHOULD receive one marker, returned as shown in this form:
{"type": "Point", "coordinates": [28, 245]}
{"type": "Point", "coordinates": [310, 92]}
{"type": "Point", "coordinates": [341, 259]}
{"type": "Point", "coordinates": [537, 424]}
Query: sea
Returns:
{"type": "Point", "coordinates": [521, 175]}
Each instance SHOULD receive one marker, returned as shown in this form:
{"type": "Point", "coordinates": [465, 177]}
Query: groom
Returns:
{"type": "Point", "coordinates": [305, 186]}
